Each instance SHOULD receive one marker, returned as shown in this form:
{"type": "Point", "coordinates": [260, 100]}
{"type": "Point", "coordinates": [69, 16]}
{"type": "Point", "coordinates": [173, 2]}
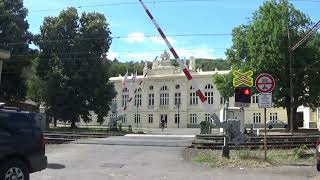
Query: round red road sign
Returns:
{"type": "Point", "coordinates": [265, 83]}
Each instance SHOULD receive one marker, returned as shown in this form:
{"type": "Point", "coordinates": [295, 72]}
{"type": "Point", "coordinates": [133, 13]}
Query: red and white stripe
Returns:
{"type": "Point", "coordinates": [195, 83]}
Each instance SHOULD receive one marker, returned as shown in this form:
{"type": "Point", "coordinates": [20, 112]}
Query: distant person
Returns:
{"type": "Point", "coordinates": [162, 124]}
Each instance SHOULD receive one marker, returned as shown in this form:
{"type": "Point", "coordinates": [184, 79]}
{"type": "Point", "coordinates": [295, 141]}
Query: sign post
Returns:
{"type": "Point", "coordinates": [265, 84]}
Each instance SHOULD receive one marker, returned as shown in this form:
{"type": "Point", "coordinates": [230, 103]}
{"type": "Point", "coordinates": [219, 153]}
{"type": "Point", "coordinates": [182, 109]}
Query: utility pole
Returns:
{"type": "Point", "coordinates": [290, 82]}
{"type": "Point", "coordinates": [225, 149]}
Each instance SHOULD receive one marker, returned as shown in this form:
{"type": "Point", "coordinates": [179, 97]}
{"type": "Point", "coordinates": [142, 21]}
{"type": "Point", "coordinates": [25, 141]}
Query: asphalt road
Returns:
{"type": "Point", "coordinates": [147, 159]}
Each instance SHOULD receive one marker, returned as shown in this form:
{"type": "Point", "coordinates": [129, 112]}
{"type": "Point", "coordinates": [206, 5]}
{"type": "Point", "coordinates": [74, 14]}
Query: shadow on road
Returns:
{"type": "Point", "coordinates": [55, 166]}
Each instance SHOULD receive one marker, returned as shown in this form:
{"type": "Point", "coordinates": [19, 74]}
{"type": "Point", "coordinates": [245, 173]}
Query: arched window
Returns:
{"type": "Point", "coordinates": [209, 86]}
{"type": "Point", "coordinates": [209, 93]}
{"type": "Point", "coordinates": [193, 96]}
{"type": "Point", "coordinates": [125, 97]}
{"type": "Point", "coordinates": [125, 90]}
{"type": "Point", "coordinates": [164, 96]}
{"type": "Point", "coordinates": [138, 98]}
{"type": "Point", "coordinates": [164, 88]}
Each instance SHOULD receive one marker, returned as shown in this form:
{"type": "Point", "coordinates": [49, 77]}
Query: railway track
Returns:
{"type": "Point", "coordinates": [62, 138]}
{"type": "Point", "coordinates": [273, 142]}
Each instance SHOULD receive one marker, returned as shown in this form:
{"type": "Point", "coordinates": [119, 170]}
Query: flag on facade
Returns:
{"type": "Point", "coordinates": [125, 79]}
{"type": "Point", "coordinates": [134, 77]}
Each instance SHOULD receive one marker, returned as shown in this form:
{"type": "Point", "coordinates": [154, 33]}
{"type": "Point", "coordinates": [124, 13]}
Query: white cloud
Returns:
{"type": "Point", "coordinates": [111, 55]}
{"type": "Point", "coordinates": [159, 40]}
{"type": "Point", "coordinates": [196, 52]}
{"type": "Point", "coordinates": [142, 55]}
{"type": "Point", "coordinates": [136, 37]}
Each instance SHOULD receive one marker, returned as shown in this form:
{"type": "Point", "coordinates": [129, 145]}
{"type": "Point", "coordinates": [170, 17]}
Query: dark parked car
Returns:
{"type": "Point", "coordinates": [318, 154]}
{"type": "Point", "coordinates": [22, 146]}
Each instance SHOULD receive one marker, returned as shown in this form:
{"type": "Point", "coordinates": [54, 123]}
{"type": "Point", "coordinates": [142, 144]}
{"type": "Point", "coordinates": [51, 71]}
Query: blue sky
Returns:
{"type": "Point", "coordinates": [130, 22]}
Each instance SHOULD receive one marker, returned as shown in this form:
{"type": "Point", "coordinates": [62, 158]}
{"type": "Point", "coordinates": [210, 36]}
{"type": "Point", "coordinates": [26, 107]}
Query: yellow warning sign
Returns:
{"type": "Point", "coordinates": [244, 79]}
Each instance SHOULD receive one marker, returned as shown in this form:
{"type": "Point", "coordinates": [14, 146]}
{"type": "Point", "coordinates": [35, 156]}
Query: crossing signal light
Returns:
{"type": "Point", "coordinates": [242, 94]}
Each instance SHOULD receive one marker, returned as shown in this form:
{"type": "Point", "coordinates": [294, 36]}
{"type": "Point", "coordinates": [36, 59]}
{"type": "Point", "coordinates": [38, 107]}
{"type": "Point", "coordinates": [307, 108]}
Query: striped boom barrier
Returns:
{"type": "Point", "coordinates": [183, 67]}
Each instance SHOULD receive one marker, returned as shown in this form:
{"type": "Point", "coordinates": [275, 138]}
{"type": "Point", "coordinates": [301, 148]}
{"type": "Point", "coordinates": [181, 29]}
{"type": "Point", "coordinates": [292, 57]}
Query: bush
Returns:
{"type": "Point", "coordinates": [130, 129]}
{"type": "Point", "coordinates": [299, 153]}
{"type": "Point", "coordinates": [120, 127]}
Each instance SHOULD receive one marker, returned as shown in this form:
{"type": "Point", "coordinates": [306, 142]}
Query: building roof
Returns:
{"type": "Point", "coordinates": [178, 75]}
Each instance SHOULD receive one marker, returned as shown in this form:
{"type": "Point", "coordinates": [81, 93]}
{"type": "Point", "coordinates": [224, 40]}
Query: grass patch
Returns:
{"type": "Point", "coordinates": [249, 158]}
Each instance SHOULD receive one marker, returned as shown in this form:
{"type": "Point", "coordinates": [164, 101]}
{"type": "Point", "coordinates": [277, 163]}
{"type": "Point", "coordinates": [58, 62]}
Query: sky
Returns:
{"type": "Point", "coordinates": [205, 24]}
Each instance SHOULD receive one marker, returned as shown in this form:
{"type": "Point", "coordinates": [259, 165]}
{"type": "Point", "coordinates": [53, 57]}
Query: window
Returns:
{"type": "Point", "coordinates": [255, 98]}
{"type": "Point", "coordinates": [177, 118]}
{"type": "Point", "coordinates": [15, 122]}
{"type": "Point", "coordinates": [151, 87]}
{"type": "Point", "coordinates": [223, 100]}
{"type": "Point", "coordinates": [125, 97]}
{"type": "Point", "coordinates": [137, 99]}
{"type": "Point", "coordinates": [124, 100]}
{"type": "Point", "coordinates": [207, 117]}
{"type": "Point", "coordinates": [193, 98]}
{"type": "Point", "coordinates": [151, 99]}
{"type": "Point", "coordinates": [209, 96]}
{"type": "Point", "coordinates": [193, 118]}
{"type": "Point", "coordinates": [177, 86]}
{"type": "Point", "coordinates": [209, 86]}
{"type": "Point", "coordinates": [256, 118]}
{"type": "Point", "coordinates": [137, 119]}
{"type": "Point", "coordinates": [164, 99]}
{"type": "Point", "coordinates": [164, 88]}
{"type": "Point", "coordinates": [164, 96]}
{"type": "Point", "coordinates": [124, 119]}
{"type": "Point", "coordinates": [150, 118]}
{"type": "Point", "coordinates": [177, 99]}
{"type": "Point", "coordinates": [112, 116]}
{"type": "Point", "coordinates": [273, 116]}
{"type": "Point", "coordinates": [209, 93]}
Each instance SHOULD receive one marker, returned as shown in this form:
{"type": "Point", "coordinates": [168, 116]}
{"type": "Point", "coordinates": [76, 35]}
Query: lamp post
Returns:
{"type": "Point", "coordinates": [178, 119]}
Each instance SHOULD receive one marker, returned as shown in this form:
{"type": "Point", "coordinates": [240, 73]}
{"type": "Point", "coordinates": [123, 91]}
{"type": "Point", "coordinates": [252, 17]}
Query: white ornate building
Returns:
{"type": "Point", "coordinates": [165, 86]}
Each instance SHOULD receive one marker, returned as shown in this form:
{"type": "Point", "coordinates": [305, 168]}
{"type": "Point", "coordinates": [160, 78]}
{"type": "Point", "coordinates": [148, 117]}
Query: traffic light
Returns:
{"type": "Point", "coordinates": [242, 94]}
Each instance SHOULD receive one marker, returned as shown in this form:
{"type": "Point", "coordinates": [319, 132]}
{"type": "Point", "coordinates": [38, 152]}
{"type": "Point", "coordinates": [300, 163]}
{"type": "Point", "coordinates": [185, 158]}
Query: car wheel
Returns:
{"type": "Point", "coordinates": [14, 169]}
{"type": "Point", "coordinates": [318, 166]}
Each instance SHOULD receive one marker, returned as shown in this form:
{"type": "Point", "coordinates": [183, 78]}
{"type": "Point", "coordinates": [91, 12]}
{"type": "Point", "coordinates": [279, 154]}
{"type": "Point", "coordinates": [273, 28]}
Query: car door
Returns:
{"type": "Point", "coordinates": [7, 142]}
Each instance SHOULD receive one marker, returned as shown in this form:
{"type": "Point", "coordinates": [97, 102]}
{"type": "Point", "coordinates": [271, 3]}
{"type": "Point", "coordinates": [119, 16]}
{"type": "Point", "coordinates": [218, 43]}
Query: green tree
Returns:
{"type": "Point", "coordinates": [36, 87]}
{"type": "Point", "coordinates": [262, 45]}
{"type": "Point", "coordinates": [15, 37]}
{"type": "Point", "coordinates": [224, 85]}
{"type": "Point", "coordinates": [212, 64]}
{"type": "Point", "coordinates": [72, 64]}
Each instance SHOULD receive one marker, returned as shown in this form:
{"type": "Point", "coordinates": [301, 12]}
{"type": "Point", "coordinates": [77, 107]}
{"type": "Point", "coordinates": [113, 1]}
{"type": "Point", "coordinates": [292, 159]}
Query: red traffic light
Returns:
{"type": "Point", "coordinates": [246, 91]}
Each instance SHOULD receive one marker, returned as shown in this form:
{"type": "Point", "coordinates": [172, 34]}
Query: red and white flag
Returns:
{"type": "Point", "coordinates": [125, 79]}
{"type": "Point", "coordinates": [134, 78]}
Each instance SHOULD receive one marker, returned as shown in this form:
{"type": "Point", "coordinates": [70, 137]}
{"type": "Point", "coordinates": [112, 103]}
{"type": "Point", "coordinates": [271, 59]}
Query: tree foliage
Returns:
{"type": "Point", "coordinates": [212, 64]}
{"type": "Point", "coordinates": [71, 63]}
{"type": "Point", "coordinates": [262, 45]}
{"type": "Point", "coordinates": [224, 85]}
{"type": "Point", "coordinates": [14, 37]}
{"type": "Point", "coordinates": [36, 87]}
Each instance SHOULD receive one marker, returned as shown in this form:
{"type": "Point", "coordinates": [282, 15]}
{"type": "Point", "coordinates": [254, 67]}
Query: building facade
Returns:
{"type": "Point", "coordinates": [167, 94]}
